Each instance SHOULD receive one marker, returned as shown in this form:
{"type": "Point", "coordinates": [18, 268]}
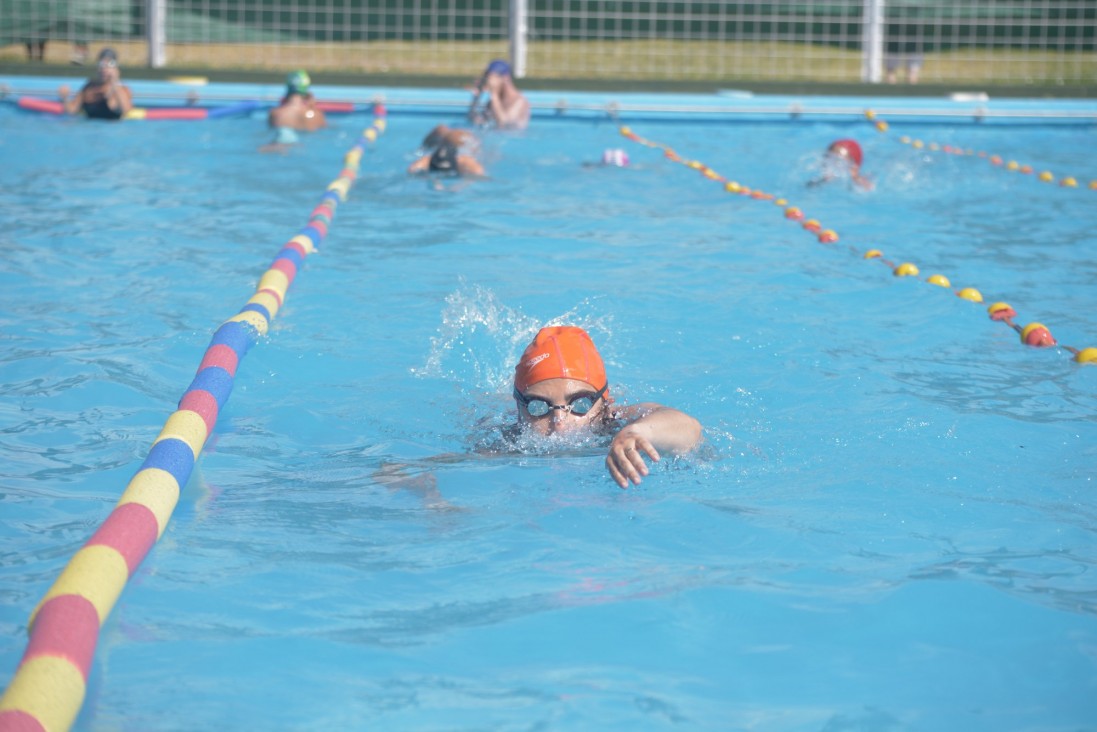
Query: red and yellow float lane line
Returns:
{"type": "Point", "coordinates": [49, 685]}
{"type": "Point", "coordinates": [1036, 335]}
{"type": "Point", "coordinates": [1011, 166]}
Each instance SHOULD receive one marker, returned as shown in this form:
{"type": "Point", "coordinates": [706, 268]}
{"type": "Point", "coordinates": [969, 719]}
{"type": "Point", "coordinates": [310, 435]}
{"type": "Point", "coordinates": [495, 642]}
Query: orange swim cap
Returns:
{"type": "Point", "coordinates": [850, 148]}
{"type": "Point", "coordinates": [560, 352]}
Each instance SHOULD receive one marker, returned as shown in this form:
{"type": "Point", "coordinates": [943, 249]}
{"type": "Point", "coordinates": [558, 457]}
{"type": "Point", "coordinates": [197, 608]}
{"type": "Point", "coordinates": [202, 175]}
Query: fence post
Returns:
{"type": "Point", "coordinates": [155, 20]}
{"type": "Point", "coordinates": [518, 32]}
{"type": "Point", "coordinates": [872, 41]}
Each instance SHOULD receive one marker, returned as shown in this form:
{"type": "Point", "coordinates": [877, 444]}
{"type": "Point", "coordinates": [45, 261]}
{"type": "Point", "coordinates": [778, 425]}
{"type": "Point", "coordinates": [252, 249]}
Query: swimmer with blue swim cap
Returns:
{"type": "Point", "coordinates": [506, 108]}
{"type": "Point", "coordinates": [297, 112]}
{"type": "Point", "coordinates": [561, 387]}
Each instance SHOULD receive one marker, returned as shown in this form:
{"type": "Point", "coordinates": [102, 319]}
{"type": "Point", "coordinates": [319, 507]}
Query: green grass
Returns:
{"type": "Point", "coordinates": [644, 60]}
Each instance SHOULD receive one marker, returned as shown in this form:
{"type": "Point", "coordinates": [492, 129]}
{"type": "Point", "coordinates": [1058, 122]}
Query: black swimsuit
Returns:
{"type": "Point", "coordinates": [99, 109]}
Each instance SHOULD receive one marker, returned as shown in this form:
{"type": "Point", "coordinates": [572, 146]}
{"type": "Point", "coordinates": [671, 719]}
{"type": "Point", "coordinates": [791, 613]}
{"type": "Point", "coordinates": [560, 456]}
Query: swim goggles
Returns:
{"type": "Point", "coordinates": [578, 405]}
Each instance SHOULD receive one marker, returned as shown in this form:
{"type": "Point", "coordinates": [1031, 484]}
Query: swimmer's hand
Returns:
{"type": "Point", "coordinates": [625, 461]}
{"type": "Point", "coordinates": [423, 485]}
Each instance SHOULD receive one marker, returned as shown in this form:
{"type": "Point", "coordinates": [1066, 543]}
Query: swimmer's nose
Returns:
{"type": "Point", "coordinates": [558, 422]}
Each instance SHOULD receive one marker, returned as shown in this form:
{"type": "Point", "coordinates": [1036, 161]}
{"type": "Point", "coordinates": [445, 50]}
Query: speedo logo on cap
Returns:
{"type": "Point", "coordinates": [536, 360]}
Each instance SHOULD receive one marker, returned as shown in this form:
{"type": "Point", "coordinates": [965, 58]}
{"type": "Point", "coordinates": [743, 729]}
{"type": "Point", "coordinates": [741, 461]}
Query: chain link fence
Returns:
{"type": "Point", "coordinates": [1045, 42]}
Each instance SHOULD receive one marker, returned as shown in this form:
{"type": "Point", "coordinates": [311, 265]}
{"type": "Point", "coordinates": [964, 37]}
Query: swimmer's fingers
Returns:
{"type": "Point", "coordinates": [615, 472]}
{"type": "Point", "coordinates": [642, 445]}
{"type": "Point", "coordinates": [626, 460]}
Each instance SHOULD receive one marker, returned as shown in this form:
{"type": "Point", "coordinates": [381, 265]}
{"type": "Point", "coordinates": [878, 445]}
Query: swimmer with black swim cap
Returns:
{"type": "Point", "coordinates": [843, 159]}
{"type": "Point", "coordinates": [102, 97]}
{"type": "Point", "coordinates": [444, 159]}
{"type": "Point", "coordinates": [447, 159]}
{"type": "Point", "coordinates": [560, 387]}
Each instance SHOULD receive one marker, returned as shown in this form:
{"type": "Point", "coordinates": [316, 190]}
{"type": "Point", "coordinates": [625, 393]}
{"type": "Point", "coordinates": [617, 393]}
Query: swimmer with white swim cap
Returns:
{"type": "Point", "coordinates": [612, 157]}
{"type": "Point", "coordinates": [560, 387]}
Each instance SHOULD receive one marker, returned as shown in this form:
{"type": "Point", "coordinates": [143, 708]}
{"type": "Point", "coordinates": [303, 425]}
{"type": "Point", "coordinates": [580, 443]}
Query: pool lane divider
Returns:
{"type": "Point", "coordinates": [1011, 166]}
{"type": "Point", "coordinates": [1036, 335]}
{"type": "Point", "coordinates": [49, 685]}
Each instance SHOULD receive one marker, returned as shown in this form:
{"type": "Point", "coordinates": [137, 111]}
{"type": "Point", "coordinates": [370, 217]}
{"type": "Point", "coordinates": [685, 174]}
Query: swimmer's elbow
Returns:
{"type": "Point", "coordinates": [691, 435]}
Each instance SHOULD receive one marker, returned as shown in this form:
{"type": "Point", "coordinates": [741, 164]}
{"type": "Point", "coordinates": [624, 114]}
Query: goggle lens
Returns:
{"type": "Point", "coordinates": [578, 406]}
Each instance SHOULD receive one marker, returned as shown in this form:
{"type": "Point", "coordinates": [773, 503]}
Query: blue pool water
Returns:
{"type": "Point", "coordinates": [890, 527]}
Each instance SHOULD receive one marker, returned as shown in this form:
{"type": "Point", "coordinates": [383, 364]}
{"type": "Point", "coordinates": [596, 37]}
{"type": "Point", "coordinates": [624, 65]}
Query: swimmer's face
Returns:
{"type": "Point", "coordinates": [562, 393]}
{"type": "Point", "coordinates": [840, 156]}
{"type": "Point", "coordinates": [108, 69]}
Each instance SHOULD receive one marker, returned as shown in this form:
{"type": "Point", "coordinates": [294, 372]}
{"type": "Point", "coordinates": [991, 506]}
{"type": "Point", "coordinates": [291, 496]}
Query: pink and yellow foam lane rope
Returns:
{"type": "Point", "coordinates": [1010, 166]}
{"type": "Point", "coordinates": [48, 687]}
{"type": "Point", "coordinates": [1033, 334]}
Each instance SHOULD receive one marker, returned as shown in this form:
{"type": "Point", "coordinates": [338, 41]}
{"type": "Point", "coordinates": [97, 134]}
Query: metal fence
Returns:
{"type": "Point", "coordinates": [946, 41]}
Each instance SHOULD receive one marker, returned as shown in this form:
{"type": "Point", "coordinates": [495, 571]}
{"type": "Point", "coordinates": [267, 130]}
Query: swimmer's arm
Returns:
{"type": "Point", "coordinates": [863, 182]}
{"type": "Point", "coordinates": [469, 166]}
{"type": "Point", "coordinates": [515, 116]}
{"type": "Point", "coordinates": [119, 98]}
{"type": "Point", "coordinates": [72, 103]}
{"type": "Point", "coordinates": [423, 485]}
{"type": "Point", "coordinates": [651, 428]}
{"type": "Point", "coordinates": [420, 166]}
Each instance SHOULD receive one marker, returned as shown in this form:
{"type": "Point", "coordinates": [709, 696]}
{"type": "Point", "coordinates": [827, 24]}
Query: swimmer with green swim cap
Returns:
{"type": "Point", "coordinates": [297, 112]}
{"type": "Point", "coordinates": [298, 82]}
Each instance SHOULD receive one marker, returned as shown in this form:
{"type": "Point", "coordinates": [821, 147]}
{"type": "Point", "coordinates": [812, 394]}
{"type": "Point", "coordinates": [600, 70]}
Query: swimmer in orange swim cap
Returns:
{"type": "Point", "coordinates": [844, 159]}
{"type": "Point", "coordinates": [560, 386]}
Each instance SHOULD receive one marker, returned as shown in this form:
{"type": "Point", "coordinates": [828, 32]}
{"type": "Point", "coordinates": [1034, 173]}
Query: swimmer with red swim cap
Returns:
{"type": "Point", "coordinates": [844, 159]}
{"type": "Point", "coordinates": [506, 108]}
{"type": "Point", "coordinates": [560, 386]}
